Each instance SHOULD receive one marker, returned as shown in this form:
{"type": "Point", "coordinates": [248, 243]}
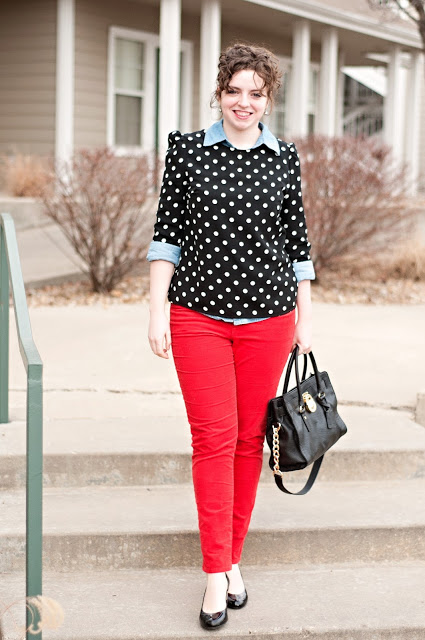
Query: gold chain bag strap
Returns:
{"type": "Point", "coordinates": [303, 423]}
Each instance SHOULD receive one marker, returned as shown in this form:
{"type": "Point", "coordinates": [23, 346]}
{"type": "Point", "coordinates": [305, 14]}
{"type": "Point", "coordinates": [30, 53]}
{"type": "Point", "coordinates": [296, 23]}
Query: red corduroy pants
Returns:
{"type": "Point", "coordinates": [227, 375]}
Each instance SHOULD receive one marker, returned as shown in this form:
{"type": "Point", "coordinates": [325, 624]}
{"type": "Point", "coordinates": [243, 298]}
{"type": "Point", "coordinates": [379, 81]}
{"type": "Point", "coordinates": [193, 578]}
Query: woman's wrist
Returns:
{"type": "Point", "coordinates": [305, 313]}
{"type": "Point", "coordinates": [304, 305]}
{"type": "Point", "coordinates": [156, 308]}
{"type": "Point", "coordinates": [161, 273]}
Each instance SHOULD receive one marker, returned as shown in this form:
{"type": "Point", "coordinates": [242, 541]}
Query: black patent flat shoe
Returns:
{"type": "Point", "coordinates": [236, 600]}
{"type": "Point", "coordinates": [212, 621]}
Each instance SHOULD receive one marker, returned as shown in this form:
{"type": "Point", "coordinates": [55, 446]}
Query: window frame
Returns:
{"type": "Point", "coordinates": [148, 94]}
{"type": "Point", "coordinates": [150, 40]}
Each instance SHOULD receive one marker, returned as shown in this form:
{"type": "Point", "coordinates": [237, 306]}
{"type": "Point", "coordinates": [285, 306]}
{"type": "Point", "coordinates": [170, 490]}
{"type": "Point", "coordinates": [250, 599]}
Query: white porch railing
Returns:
{"type": "Point", "coordinates": [365, 120]}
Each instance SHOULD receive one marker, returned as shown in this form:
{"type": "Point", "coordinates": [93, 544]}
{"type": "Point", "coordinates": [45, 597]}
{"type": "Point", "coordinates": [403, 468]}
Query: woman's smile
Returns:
{"type": "Point", "coordinates": [242, 115]}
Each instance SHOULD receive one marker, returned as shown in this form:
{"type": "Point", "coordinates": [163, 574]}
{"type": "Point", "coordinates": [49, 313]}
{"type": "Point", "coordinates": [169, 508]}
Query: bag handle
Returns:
{"type": "Point", "coordinates": [294, 358]}
{"type": "Point", "coordinates": [311, 478]}
{"type": "Point", "coordinates": [289, 367]}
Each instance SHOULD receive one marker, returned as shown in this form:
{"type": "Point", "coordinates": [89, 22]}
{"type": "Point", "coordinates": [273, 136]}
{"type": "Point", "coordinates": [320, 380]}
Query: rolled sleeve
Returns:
{"type": "Point", "coordinates": [304, 270]}
{"type": "Point", "coordinates": [297, 244]}
{"type": "Point", "coordinates": [163, 251]}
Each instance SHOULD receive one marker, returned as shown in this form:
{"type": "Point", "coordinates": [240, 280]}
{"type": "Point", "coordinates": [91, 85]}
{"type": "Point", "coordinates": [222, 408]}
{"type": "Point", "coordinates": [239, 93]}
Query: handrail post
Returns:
{"type": "Point", "coordinates": [4, 331]}
{"type": "Point", "coordinates": [10, 267]}
{"type": "Point", "coordinates": [34, 497]}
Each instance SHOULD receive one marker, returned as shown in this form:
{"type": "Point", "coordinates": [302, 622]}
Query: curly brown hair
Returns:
{"type": "Point", "coordinates": [240, 56]}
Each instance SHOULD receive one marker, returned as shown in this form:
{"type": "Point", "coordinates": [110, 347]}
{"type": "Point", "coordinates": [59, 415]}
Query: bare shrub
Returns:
{"type": "Point", "coordinates": [356, 197]}
{"type": "Point", "coordinates": [104, 205]}
{"type": "Point", "coordinates": [24, 175]}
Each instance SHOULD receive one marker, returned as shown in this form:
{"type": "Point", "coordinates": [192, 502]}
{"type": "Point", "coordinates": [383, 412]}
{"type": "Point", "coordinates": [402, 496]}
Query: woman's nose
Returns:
{"type": "Point", "coordinates": [244, 100]}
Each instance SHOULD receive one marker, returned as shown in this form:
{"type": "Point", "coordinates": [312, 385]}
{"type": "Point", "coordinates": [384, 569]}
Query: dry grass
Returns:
{"type": "Point", "coordinates": [131, 290]}
{"type": "Point", "coordinates": [403, 262]}
{"type": "Point", "coordinates": [24, 175]}
{"type": "Point", "coordinates": [407, 262]}
{"type": "Point", "coordinates": [393, 277]}
{"type": "Point", "coordinates": [348, 285]}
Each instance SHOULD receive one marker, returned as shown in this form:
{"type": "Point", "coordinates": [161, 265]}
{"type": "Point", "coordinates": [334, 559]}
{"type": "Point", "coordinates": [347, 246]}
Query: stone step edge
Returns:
{"type": "Point", "coordinates": [142, 468]}
{"type": "Point", "coordinates": [74, 552]}
{"type": "Point", "coordinates": [285, 603]}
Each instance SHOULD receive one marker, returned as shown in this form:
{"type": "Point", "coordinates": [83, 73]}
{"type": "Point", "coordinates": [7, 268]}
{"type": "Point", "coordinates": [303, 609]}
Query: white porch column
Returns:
{"type": "Point", "coordinates": [393, 112]}
{"type": "Point", "coordinates": [210, 52]}
{"type": "Point", "coordinates": [328, 83]}
{"type": "Point", "coordinates": [65, 31]}
{"type": "Point", "coordinates": [300, 76]}
{"type": "Point", "coordinates": [339, 126]}
{"type": "Point", "coordinates": [413, 109]}
{"type": "Point", "coordinates": [169, 69]}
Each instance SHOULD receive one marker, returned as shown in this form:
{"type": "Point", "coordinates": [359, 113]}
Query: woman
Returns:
{"type": "Point", "coordinates": [230, 249]}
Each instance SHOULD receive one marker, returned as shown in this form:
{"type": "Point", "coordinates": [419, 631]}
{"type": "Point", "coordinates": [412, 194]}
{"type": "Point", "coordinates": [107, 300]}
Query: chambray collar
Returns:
{"type": "Point", "coordinates": [215, 133]}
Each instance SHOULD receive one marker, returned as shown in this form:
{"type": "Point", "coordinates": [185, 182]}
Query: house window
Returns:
{"type": "Point", "coordinates": [129, 91]}
{"type": "Point", "coordinates": [133, 89]}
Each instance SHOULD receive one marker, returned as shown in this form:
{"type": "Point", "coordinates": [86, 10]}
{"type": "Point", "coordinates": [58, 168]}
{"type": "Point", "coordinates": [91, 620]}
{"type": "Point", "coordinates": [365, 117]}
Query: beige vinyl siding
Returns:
{"type": "Point", "coordinates": [27, 76]}
{"type": "Point", "coordinates": [93, 20]}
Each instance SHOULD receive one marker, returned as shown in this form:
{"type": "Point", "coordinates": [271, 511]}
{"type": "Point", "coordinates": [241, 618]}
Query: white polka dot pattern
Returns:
{"type": "Point", "coordinates": [239, 220]}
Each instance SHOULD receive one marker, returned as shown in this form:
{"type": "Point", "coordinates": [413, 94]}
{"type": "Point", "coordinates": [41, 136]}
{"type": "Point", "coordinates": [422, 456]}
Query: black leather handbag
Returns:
{"type": "Point", "coordinates": [303, 423]}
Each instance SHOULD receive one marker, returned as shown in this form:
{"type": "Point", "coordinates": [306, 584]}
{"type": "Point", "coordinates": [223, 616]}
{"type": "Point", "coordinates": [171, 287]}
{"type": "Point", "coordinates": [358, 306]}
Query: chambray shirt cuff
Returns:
{"type": "Point", "coordinates": [163, 251]}
{"type": "Point", "coordinates": [304, 270]}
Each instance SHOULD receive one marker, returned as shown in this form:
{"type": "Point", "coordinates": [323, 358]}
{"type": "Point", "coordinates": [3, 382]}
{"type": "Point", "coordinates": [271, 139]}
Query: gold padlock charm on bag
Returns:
{"type": "Point", "coordinates": [309, 402]}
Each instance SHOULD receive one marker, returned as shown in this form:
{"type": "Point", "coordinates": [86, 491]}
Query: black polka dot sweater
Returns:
{"type": "Point", "coordinates": [238, 217]}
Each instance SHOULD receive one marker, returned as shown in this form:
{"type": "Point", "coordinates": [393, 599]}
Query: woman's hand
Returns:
{"type": "Point", "coordinates": [159, 334]}
{"type": "Point", "coordinates": [303, 334]}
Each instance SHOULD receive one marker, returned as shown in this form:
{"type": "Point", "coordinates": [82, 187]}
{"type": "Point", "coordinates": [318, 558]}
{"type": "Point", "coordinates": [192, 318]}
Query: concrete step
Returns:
{"type": "Point", "coordinates": [319, 602]}
{"type": "Point", "coordinates": [154, 447]}
{"type": "Point", "coordinates": [156, 526]}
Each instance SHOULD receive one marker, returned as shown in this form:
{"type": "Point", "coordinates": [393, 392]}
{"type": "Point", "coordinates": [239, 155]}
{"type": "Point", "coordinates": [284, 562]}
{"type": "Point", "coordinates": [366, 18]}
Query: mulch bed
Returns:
{"type": "Point", "coordinates": [334, 287]}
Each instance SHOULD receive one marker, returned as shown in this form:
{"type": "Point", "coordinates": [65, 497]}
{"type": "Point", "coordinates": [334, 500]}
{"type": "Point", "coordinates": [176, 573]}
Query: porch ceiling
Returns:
{"type": "Point", "coordinates": [277, 18]}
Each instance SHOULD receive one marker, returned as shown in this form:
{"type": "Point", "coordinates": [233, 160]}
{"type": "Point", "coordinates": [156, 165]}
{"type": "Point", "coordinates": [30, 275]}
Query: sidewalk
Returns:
{"type": "Point", "coordinates": [374, 355]}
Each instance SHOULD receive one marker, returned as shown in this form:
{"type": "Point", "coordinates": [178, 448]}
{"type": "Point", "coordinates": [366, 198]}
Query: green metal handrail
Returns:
{"type": "Point", "coordinates": [10, 267]}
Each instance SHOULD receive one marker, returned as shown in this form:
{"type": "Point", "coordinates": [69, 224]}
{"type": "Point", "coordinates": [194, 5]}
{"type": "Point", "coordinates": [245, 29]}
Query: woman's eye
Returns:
{"type": "Point", "coordinates": [231, 91]}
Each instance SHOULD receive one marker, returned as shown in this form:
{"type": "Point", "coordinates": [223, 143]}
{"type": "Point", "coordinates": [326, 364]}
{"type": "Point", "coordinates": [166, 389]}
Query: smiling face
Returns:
{"type": "Point", "coordinates": [244, 101]}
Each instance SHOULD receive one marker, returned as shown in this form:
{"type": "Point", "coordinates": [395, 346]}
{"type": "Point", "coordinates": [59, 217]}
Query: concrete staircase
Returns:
{"type": "Point", "coordinates": [121, 547]}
